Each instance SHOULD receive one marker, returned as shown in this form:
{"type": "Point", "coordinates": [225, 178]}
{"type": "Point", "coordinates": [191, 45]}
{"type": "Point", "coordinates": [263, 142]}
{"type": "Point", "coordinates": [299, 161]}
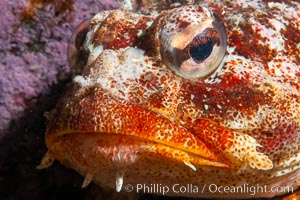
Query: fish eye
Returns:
{"type": "Point", "coordinates": [197, 50]}
{"type": "Point", "coordinates": [203, 54]}
{"type": "Point", "coordinates": [201, 47]}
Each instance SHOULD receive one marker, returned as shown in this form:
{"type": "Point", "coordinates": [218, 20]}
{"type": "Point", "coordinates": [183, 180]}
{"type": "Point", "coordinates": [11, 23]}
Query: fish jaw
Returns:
{"type": "Point", "coordinates": [138, 143]}
{"type": "Point", "coordinates": [129, 122]}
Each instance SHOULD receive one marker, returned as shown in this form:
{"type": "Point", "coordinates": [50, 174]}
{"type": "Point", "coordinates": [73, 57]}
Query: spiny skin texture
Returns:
{"type": "Point", "coordinates": [131, 115]}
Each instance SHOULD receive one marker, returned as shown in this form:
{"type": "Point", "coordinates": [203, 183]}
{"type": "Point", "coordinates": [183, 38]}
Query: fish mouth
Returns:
{"type": "Point", "coordinates": [106, 157]}
{"type": "Point", "coordinates": [201, 143]}
{"type": "Point", "coordinates": [102, 136]}
{"type": "Point", "coordinates": [125, 149]}
{"type": "Point", "coordinates": [131, 125]}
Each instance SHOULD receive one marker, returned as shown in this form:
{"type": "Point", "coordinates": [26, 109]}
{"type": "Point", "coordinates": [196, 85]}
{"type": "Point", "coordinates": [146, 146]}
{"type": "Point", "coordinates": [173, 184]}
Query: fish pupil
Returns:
{"type": "Point", "coordinates": [199, 51]}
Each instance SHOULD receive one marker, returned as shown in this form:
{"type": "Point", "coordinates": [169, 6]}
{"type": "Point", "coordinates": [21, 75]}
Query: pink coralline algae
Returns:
{"type": "Point", "coordinates": [33, 68]}
{"type": "Point", "coordinates": [33, 50]}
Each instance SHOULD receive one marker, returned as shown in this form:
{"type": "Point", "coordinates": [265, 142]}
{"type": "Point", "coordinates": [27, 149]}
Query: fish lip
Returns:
{"type": "Point", "coordinates": [188, 158]}
{"type": "Point", "coordinates": [204, 138]}
{"type": "Point", "coordinates": [84, 116]}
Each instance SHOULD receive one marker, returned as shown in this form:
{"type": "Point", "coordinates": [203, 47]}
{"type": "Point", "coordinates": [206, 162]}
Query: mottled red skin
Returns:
{"type": "Point", "coordinates": [218, 120]}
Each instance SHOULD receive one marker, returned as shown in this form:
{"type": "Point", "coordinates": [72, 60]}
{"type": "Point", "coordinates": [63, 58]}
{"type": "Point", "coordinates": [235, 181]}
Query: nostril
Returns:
{"type": "Point", "coordinates": [77, 55]}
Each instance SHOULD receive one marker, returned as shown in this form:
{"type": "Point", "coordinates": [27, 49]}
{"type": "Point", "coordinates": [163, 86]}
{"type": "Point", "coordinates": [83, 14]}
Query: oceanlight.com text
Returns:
{"type": "Point", "coordinates": [162, 189]}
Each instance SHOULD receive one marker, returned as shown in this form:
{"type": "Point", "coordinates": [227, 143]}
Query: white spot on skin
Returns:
{"type": "Point", "coordinates": [277, 5]}
{"type": "Point", "coordinates": [230, 50]}
{"type": "Point", "coordinates": [139, 33]}
{"type": "Point", "coordinates": [176, 4]}
{"type": "Point", "coordinates": [94, 53]}
{"type": "Point", "coordinates": [286, 171]}
{"type": "Point", "coordinates": [118, 72]}
{"type": "Point", "coordinates": [84, 82]}
{"type": "Point", "coordinates": [99, 17]}
{"type": "Point", "coordinates": [277, 24]}
{"type": "Point", "coordinates": [127, 4]}
{"type": "Point", "coordinates": [274, 38]}
{"type": "Point", "coordinates": [149, 23]}
{"type": "Point", "coordinates": [248, 3]}
{"type": "Point", "coordinates": [283, 67]}
{"type": "Point", "coordinates": [291, 161]}
{"type": "Point", "coordinates": [205, 107]}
